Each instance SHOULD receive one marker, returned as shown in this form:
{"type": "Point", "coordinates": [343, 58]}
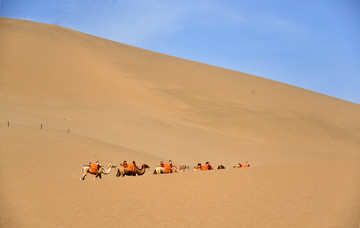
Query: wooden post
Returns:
{"type": "Point", "coordinates": [41, 126]}
{"type": "Point", "coordinates": [68, 131]}
{"type": "Point", "coordinates": [8, 123]}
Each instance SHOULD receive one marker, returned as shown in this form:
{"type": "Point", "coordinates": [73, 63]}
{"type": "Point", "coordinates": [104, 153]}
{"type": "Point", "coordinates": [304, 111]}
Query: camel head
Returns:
{"type": "Point", "coordinates": [144, 166]}
{"type": "Point", "coordinates": [110, 166]}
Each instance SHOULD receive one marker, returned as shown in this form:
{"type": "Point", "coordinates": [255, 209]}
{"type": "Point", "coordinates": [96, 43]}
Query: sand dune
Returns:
{"type": "Point", "coordinates": [122, 102]}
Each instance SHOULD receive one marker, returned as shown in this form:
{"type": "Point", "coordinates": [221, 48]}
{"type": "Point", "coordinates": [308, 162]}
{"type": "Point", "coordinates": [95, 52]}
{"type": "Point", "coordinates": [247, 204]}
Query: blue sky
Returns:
{"type": "Point", "coordinates": [313, 44]}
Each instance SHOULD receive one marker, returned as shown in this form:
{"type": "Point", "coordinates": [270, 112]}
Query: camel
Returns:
{"type": "Point", "coordinates": [86, 169]}
{"type": "Point", "coordinates": [161, 170]}
{"type": "Point", "coordinates": [182, 168]}
{"type": "Point", "coordinates": [200, 167]}
{"type": "Point", "coordinates": [122, 171]}
{"type": "Point", "coordinates": [221, 167]}
{"type": "Point", "coordinates": [240, 165]}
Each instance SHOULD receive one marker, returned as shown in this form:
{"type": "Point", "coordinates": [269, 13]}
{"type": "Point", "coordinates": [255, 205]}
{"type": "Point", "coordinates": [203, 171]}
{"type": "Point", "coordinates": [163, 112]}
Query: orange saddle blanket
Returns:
{"type": "Point", "coordinates": [93, 168]}
{"type": "Point", "coordinates": [204, 167]}
{"type": "Point", "coordinates": [167, 168]}
{"type": "Point", "coordinates": [131, 167]}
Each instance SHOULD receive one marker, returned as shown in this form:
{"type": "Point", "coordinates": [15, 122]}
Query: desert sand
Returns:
{"type": "Point", "coordinates": [125, 103]}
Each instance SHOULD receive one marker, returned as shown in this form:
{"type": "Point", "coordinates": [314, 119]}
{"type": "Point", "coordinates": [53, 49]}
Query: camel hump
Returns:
{"type": "Point", "coordinates": [167, 168]}
{"type": "Point", "coordinates": [131, 167]}
{"type": "Point", "coordinates": [93, 168]}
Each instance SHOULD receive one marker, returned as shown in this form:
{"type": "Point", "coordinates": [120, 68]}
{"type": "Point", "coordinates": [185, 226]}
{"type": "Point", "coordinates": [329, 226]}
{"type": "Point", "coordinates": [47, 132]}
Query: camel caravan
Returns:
{"type": "Point", "coordinates": [132, 169]}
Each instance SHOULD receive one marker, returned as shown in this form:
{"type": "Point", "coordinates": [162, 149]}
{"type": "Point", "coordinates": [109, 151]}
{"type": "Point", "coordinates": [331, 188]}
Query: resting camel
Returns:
{"type": "Point", "coordinates": [182, 168]}
{"type": "Point", "coordinates": [86, 169]}
{"type": "Point", "coordinates": [200, 167]}
{"type": "Point", "coordinates": [240, 165]}
{"type": "Point", "coordinates": [161, 170]}
{"type": "Point", "coordinates": [221, 167]}
{"type": "Point", "coordinates": [122, 171]}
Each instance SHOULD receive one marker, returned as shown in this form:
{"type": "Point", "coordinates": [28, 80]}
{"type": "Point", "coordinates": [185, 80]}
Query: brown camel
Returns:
{"type": "Point", "coordinates": [86, 169]}
{"type": "Point", "coordinates": [122, 171]}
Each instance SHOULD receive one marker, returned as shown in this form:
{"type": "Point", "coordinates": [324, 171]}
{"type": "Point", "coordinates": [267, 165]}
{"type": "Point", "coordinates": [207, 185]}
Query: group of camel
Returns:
{"type": "Point", "coordinates": [125, 171]}
{"type": "Point", "coordinates": [121, 171]}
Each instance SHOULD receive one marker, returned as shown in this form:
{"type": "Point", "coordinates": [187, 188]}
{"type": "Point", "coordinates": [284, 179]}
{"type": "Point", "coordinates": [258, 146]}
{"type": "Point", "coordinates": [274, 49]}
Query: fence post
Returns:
{"type": "Point", "coordinates": [68, 131]}
{"type": "Point", "coordinates": [41, 126]}
{"type": "Point", "coordinates": [8, 123]}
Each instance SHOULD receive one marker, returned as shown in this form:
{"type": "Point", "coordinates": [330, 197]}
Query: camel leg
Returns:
{"type": "Point", "coordinates": [83, 174]}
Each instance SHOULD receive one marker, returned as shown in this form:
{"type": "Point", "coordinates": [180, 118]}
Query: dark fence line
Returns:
{"type": "Point", "coordinates": [37, 126]}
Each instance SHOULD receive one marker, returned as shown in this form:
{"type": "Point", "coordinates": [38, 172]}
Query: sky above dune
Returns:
{"type": "Point", "coordinates": [311, 44]}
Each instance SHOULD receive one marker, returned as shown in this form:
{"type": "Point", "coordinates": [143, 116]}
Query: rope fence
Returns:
{"type": "Point", "coordinates": [37, 126]}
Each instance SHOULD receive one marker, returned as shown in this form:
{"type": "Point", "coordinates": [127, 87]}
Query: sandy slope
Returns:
{"type": "Point", "coordinates": [122, 102]}
{"type": "Point", "coordinates": [41, 188]}
{"type": "Point", "coordinates": [125, 95]}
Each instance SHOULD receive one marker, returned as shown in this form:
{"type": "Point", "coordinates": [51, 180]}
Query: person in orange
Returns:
{"type": "Point", "coordinates": [125, 164]}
